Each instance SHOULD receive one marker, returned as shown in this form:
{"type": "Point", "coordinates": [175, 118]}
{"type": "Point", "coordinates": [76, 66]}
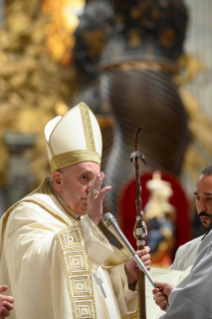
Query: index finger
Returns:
{"type": "Point", "coordinates": [160, 284]}
{"type": "Point", "coordinates": [143, 252]}
{"type": "Point", "coordinates": [147, 249]}
{"type": "Point", "coordinates": [8, 298]}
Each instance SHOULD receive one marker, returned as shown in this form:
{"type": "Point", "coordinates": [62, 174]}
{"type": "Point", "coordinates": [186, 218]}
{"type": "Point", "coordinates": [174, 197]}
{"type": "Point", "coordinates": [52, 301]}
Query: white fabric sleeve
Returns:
{"type": "Point", "coordinates": [126, 298]}
{"type": "Point", "coordinates": [97, 242]}
{"type": "Point", "coordinates": [191, 298]}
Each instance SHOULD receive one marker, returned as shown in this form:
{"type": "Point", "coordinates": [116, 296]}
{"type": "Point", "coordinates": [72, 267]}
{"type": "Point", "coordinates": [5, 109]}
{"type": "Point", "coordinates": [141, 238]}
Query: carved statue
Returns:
{"type": "Point", "coordinates": [160, 218]}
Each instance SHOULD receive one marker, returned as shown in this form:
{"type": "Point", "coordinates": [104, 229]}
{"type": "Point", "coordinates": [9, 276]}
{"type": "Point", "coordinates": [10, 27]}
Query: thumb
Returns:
{"type": "Point", "coordinates": [103, 192]}
{"type": "Point", "coordinates": [3, 288]}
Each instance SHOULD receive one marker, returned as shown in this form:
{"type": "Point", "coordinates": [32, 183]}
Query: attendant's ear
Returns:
{"type": "Point", "coordinates": [57, 181]}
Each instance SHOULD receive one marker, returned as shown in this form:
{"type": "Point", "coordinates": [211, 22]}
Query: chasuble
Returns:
{"type": "Point", "coordinates": [58, 266]}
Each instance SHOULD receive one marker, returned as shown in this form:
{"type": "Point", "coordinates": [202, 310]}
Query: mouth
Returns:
{"type": "Point", "coordinates": [84, 201]}
{"type": "Point", "coordinates": [204, 218]}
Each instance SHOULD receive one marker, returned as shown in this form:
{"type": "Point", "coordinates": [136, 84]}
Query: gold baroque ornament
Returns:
{"type": "Point", "coordinates": [78, 273]}
{"type": "Point", "coordinates": [199, 152]}
{"type": "Point", "coordinates": [34, 88]}
{"type": "Point", "coordinates": [60, 30]}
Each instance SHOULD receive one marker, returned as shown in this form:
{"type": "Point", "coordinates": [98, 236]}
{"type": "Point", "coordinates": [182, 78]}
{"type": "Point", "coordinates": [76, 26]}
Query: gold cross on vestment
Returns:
{"type": "Point", "coordinates": [99, 283]}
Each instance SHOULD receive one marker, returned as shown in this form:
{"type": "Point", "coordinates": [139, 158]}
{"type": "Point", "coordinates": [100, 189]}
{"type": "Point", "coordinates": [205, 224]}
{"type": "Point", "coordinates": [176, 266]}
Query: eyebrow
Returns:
{"type": "Point", "coordinates": [86, 172]}
{"type": "Point", "coordinates": [210, 194]}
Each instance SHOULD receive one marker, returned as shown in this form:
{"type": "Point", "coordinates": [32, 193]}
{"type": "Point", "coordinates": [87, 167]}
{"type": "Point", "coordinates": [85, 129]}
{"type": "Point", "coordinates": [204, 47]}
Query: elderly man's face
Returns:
{"type": "Point", "coordinates": [203, 195]}
{"type": "Point", "coordinates": [76, 181]}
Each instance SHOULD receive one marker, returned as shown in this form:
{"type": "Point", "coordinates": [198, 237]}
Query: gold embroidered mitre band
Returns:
{"type": "Point", "coordinates": [75, 137]}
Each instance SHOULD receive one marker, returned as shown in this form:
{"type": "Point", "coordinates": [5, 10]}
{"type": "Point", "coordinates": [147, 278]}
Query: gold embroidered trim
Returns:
{"type": "Point", "coordinates": [73, 157]}
{"type": "Point", "coordinates": [87, 127]}
{"type": "Point", "coordinates": [77, 270]}
{"type": "Point", "coordinates": [50, 148]}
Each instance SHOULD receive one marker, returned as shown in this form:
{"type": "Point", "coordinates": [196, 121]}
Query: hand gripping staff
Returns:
{"type": "Point", "coordinates": [112, 225]}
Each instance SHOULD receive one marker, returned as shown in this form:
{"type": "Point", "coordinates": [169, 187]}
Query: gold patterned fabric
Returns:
{"type": "Point", "coordinates": [77, 270]}
{"type": "Point", "coordinates": [73, 157]}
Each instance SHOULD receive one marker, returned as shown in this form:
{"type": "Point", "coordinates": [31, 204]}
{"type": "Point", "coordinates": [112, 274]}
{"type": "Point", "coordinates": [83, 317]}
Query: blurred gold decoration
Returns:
{"type": "Point", "coordinates": [167, 37]}
{"type": "Point", "coordinates": [199, 152]}
{"type": "Point", "coordinates": [61, 108]}
{"type": "Point", "coordinates": [190, 66]}
{"type": "Point", "coordinates": [34, 88]}
{"type": "Point", "coordinates": [94, 40]}
{"type": "Point", "coordinates": [60, 30]}
{"type": "Point", "coordinates": [135, 38]}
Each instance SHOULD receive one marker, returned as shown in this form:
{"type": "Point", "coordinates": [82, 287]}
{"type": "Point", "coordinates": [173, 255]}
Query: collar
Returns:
{"type": "Point", "coordinates": [205, 234]}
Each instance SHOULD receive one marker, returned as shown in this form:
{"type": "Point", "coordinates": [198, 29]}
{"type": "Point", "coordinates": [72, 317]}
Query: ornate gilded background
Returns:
{"type": "Point", "coordinates": [51, 57]}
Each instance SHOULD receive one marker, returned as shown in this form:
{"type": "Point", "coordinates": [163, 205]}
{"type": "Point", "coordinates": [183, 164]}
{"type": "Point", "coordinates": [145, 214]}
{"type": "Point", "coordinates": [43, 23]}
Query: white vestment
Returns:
{"type": "Point", "coordinates": [192, 299]}
{"type": "Point", "coordinates": [186, 254]}
{"type": "Point", "coordinates": [48, 260]}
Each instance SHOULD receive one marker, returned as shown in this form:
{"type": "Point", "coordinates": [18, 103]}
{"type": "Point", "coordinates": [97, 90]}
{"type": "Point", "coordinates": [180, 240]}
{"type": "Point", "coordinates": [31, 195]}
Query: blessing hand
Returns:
{"type": "Point", "coordinates": [96, 197]}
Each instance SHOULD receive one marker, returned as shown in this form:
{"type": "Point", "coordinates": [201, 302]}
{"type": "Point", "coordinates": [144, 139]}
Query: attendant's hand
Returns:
{"type": "Point", "coordinates": [6, 303]}
{"type": "Point", "coordinates": [96, 197]}
{"type": "Point", "coordinates": [131, 267]}
{"type": "Point", "coordinates": [161, 293]}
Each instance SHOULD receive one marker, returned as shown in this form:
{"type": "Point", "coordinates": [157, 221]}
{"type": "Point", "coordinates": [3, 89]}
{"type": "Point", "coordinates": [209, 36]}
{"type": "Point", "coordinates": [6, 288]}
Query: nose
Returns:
{"type": "Point", "coordinates": [201, 206]}
{"type": "Point", "coordinates": [88, 187]}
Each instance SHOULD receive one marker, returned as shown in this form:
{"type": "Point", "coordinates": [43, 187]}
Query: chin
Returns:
{"type": "Point", "coordinates": [82, 211]}
{"type": "Point", "coordinates": [207, 228]}
{"type": "Point", "coordinates": [78, 214]}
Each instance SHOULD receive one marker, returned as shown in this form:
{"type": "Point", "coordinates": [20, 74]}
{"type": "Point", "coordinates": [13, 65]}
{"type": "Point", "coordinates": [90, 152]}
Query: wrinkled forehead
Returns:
{"type": "Point", "coordinates": [204, 184]}
{"type": "Point", "coordinates": [83, 166]}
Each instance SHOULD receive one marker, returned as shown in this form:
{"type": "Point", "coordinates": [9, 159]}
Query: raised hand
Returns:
{"type": "Point", "coordinates": [96, 197]}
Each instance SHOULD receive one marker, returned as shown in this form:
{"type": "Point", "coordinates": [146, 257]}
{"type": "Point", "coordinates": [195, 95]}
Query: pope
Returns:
{"type": "Point", "coordinates": [55, 260]}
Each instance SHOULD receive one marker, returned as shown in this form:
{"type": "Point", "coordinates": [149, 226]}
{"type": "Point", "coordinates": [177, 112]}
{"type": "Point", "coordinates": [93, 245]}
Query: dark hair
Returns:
{"type": "Point", "coordinates": [207, 171]}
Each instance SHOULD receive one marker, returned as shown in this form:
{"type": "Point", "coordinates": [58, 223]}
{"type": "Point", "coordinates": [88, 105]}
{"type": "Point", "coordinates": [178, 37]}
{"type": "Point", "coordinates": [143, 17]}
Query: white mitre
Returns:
{"type": "Point", "coordinates": [73, 138]}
